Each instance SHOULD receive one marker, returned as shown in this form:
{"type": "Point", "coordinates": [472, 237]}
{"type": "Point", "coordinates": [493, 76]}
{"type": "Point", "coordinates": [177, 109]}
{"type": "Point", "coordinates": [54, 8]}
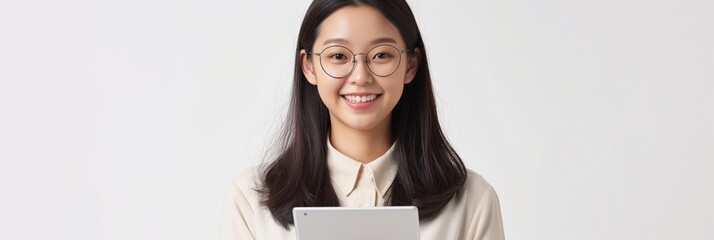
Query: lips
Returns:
{"type": "Point", "coordinates": [360, 101]}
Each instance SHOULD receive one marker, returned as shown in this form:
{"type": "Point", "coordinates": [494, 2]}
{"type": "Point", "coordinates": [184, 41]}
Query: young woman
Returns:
{"type": "Point", "coordinates": [362, 130]}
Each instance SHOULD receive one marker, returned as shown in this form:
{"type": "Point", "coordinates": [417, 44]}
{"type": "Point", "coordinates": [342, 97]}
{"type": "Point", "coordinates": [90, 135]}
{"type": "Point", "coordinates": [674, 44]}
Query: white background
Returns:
{"type": "Point", "coordinates": [128, 119]}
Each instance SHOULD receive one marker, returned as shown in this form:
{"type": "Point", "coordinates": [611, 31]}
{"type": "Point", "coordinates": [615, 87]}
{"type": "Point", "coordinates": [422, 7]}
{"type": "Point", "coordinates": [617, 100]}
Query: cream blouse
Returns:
{"type": "Point", "coordinates": [474, 213]}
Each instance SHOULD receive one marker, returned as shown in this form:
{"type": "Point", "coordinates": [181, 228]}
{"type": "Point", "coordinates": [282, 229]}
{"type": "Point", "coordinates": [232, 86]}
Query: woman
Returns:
{"type": "Point", "coordinates": [362, 130]}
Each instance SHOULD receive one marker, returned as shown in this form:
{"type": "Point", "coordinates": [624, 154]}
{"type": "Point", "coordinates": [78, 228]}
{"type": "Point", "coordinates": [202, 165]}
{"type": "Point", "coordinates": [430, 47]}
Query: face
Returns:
{"type": "Point", "coordinates": [362, 100]}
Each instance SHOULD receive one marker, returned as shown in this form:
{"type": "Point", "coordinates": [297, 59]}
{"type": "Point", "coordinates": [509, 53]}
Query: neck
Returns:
{"type": "Point", "coordinates": [362, 145]}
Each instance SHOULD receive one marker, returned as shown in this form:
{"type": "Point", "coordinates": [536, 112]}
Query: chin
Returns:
{"type": "Point", "coordinates": [360, 123]}
{"type": "Point", "coordinates": [362, 126]}
{"type": "Point", "coordinates": [365, 121]}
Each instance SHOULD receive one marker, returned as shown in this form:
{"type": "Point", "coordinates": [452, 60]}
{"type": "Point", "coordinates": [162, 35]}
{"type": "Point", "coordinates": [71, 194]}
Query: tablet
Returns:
{"type": "Point", "coordinates": [363, 223]}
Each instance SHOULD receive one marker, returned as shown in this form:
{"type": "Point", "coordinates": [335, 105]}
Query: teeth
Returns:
{"type": "Point", "coordinates": [360, 99]}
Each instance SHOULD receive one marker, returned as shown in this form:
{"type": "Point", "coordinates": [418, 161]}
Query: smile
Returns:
{"type": "Point", "coordinates": [360, 99]}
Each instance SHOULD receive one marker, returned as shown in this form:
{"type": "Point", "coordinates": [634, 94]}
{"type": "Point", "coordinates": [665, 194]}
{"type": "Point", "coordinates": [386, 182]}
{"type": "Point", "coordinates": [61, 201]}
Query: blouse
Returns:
{"type": "Point", "coordinates": [473, 213]}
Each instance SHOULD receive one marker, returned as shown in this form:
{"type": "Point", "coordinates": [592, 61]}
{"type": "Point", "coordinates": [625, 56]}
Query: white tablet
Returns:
{"type": "Point", "coordinates": [364, 223]}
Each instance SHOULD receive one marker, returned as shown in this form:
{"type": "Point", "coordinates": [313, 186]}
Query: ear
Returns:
{"type": "Point", "coordinates": [412, 65]}
{"type": "Point", "coordinates": [308, 68]}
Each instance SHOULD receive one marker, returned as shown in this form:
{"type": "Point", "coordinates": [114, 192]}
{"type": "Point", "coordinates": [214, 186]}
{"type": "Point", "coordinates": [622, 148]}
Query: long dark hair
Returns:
{"type": "Point", "coordinates": [429, 172]}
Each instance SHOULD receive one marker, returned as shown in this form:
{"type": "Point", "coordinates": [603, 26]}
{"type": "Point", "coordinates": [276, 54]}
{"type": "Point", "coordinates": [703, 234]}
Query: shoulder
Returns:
{"type": "Point", "coordinates": [475, 184]}
{"type": "Point", "coordinates": [476, 203]}
{"type": "Point", "coordinates": [248, 181]}
{"type": "Point", "coordinates": [476, 192]}
{"type": "Point", "coordinates": [484, 207]}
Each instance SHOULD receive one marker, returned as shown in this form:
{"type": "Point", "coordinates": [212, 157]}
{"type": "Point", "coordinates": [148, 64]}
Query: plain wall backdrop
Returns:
{"type": "Point", "coordinates": [129, 119]}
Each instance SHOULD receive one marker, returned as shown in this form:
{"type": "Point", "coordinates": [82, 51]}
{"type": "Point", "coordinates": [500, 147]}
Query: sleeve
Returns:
{"type": "Point", "coordinates": [487, 223]}
{"type": "Point", "coordinates": [237, 221]}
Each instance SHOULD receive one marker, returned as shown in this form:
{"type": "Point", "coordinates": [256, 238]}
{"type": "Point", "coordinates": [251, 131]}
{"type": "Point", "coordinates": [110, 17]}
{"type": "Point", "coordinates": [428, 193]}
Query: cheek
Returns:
{"type": "Point", "coordinates": [394, 92]}
{"type": "Point", "coordinates": [395, 86]}
{"type": "Point", "coordinates": [328, 90]}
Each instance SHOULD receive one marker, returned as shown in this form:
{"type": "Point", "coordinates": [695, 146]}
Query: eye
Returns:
{"type": "Point", "coordinates": [381, 56]}
{"type": "Point", "coordinates": [338, 56]}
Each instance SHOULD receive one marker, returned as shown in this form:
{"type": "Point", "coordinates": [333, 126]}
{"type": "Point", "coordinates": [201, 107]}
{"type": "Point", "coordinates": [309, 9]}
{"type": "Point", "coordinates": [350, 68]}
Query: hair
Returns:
{"type": "Point", "coordinates": [430, 173]}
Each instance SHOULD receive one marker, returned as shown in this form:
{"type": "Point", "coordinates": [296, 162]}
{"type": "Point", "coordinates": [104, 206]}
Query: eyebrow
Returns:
{"type": "Point", "coordinates": [345, 42]}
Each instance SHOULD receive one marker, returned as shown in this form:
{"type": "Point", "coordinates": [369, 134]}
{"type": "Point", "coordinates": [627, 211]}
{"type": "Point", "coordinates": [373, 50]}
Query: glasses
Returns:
{"type": "Point", "coordinates": [338, 61]}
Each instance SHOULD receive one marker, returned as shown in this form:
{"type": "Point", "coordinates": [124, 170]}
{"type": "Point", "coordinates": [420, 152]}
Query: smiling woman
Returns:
{"type": "Point", "coordinates": [362, 131]}
{"type": "Point", "coordinates": [359, 28]}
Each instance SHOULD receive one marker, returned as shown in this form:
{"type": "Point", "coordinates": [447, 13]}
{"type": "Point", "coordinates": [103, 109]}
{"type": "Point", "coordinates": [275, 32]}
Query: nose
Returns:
{"type": "Point", "coordinates": [360, 74]}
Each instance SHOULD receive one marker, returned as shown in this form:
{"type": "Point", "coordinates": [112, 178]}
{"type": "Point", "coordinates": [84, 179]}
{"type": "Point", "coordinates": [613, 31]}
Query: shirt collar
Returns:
{"type": "Point", "coordinates": [344, 170]}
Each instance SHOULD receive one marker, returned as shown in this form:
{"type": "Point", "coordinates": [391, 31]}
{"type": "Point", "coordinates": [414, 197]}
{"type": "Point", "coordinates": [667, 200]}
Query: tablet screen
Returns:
{"type": "Point", "coordinates": [364, 223]}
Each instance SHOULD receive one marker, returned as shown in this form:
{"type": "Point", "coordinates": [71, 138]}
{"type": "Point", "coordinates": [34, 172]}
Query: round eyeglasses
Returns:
{"type": "Point", "coordinates": [339, 61]}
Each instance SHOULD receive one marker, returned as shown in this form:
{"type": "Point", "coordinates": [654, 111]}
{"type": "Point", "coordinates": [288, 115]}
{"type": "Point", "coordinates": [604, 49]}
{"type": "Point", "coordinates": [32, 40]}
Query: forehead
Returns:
{"type": "Point", "coordinates": [357, 27]}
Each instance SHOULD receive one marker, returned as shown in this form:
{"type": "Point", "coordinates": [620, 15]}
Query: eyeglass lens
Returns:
{"type": "Point", "coordinates": [338, 61]}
